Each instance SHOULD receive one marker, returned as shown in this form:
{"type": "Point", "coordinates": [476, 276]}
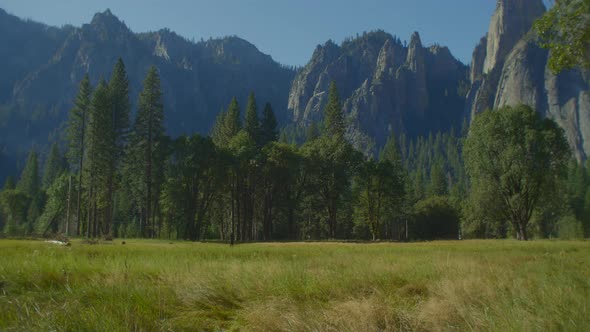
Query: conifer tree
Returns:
{"type": "Point", "coordinates": [217, 131]}
{"type": "Point", "coordinates": [390, 152]}
{"type": "Point", "coordinates": [312, 132]}
{"type": "Point", "coordinates": [77, 123]}
{"type": "Point", "coordinates": [9, 183]}
{"type": "Point", "coordinates": [120, 109]}
{"type": "Point", "coordinates": [100, 158]}
{"type": "Point", "coordinates": [438, 181]}
{"type": "Point", "coordinates": [269, 125]}
{"type": "Point", "coordinates": [232, 123]}
{"type": "Point", "coordinates": [119, 96]}
{"type": "Point", "coordinates": [333, 115]}
{"type": "Point", "coordinates": [251, 123]}
{"type": "Point", "coordinates": [29, 179]}
{"type": "Point", "coordinates": [145, 147]}
{"type": "Point", "coordinates": [54, 166]}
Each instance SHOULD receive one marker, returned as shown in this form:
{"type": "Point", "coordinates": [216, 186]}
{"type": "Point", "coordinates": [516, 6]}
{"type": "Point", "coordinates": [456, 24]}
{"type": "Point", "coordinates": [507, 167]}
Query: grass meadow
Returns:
{"type": "Point", "coordinates": [150, 285]}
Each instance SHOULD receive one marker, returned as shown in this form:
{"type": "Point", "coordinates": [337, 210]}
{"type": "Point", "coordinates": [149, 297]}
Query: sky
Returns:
{"type": "Point", "coordinates": [288, 30]}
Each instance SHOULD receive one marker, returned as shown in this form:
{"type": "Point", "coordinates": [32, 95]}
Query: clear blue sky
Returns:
{"type": "Point", "coordinates": [288, 30]}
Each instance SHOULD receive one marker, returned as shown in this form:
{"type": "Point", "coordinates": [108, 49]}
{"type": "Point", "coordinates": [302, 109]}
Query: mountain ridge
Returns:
{"type": "Point", "coordinates": [387, 86]}
{"type": "Point", "coordinates": [198, 78]}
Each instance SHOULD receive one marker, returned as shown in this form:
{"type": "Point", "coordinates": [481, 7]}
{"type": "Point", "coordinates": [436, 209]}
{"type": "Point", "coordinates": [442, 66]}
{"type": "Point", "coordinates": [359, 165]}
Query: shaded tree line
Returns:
{"type": "Point", "coordinates": [245, 183]}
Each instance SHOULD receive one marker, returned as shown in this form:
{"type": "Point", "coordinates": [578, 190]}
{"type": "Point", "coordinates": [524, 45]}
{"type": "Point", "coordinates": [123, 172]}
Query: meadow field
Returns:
{"type": "Point", "coordinates": [150, 285]}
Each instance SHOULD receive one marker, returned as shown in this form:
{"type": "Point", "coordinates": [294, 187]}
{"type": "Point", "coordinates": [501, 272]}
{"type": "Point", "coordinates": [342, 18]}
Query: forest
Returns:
{"type": "Point", "coordinates": [509, 174]}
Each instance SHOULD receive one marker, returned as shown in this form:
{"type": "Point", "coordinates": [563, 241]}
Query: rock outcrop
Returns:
{"type": "Point", "coordinates": [198, 79]}
{"type": "Point", "coordinates": [478, 59]}
{"type": "Point", "coordinates": [385, 86]}
{"type": "Point", "coordinates": [511, 20]}
{"type": "Point", "coordinates": [515, 72]}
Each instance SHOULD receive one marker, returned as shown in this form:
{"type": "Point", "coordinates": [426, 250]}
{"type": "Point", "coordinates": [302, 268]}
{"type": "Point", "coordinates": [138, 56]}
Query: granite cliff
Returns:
{"type": "Point", "coordinates": [386, 86]}
{"type": "Point", "coordinates": [515, 72]}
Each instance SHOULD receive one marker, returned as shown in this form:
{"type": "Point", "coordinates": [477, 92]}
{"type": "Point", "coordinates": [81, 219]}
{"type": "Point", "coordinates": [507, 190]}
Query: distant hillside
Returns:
{"type": "Point", "coordinates": [43, 65]}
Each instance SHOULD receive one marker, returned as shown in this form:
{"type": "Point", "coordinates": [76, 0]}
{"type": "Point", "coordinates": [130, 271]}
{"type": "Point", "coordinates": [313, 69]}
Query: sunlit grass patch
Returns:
{"type": "Point", "coordinates": [162, 285]}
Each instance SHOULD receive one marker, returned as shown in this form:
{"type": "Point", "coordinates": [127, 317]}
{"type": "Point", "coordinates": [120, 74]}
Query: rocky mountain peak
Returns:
{"type": "Point", "coordinates": [478, 59]}
{"type": "Point", "coordinates": [107, 24]}
{"type": "Point", "coordinates": [389, 59]}
{"type": "Point", "coordinates": [510, 22]}
{"type": "Point", "coordinates": [105, 18]}
{"type": "Point", "coordinates": [415, 58]}
{"type": "Point", "coordinates": [415, 40]}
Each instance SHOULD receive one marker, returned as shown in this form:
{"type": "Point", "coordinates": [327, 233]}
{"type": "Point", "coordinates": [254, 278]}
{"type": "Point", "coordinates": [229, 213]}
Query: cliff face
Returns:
{"type": "Point", "coordinates": [511, 20]}
{"type": "Point", "coordinates": [385, 86]}
{"type": "Point", "coordinates": [565, 97]}
{"type": "Point", "coordinates": [515, 72]}
{"type": "Point", "coordinates": [198, 79]}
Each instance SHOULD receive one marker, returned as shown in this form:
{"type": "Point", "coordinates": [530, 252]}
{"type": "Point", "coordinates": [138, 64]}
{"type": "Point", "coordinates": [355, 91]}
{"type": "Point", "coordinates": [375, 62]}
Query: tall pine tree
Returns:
{"type": "Point", "coordinates": [77, 123]}
{"type": "Point", "coordinates": [101, 153]}
{"type": "Point", "coordinates": [145, 148]}
{"type": "Point", "coordinates": [54, 166]}
{"type": "Point", "coordinates": [268, 128]}
{"type": "Point", "coordinates": [231, 122]}
{"type": "Point", "coordinates": [120, 109]}
{"type": "Point", "coordinates": [120, 106]}
{"type": "Point", "coordinates": [29, 179]}
{"type": "Point", "coordinates": [333, 115]}
{"type": "Point", "coordinates": [251, 123]}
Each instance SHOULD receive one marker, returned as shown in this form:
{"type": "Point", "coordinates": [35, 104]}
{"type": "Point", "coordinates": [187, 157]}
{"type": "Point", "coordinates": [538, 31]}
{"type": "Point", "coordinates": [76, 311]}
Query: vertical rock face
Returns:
{"type": "Point", "coordinates": [522, 79]}
{"type": "Point", "coordinates": [477, 60]}
{"type": "Point", "coordinates": [417, 81]}
{"type": "Point", "coordinates": [385, 87]}
{"type": "Point", "coordinates": [41, 68]}
{"type": "Point", "coordinates": [304, 86]}
{"type": "Point", "coordinates": [516, 72]}
{"type": "Point", "coordinates": [568, 103]}
{"type": "Point", "coordinates": [511, 20]}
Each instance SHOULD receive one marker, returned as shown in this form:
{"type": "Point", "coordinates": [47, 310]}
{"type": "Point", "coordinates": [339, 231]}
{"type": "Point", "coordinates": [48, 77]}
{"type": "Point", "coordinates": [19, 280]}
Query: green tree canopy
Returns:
{"type": "Point", "coordinates": [251, 123]}
{"type": "Point", "coordinates": [120, 106]}
{"type": "Point", "coordinates": [565, 31]}
{"type": "Point", "coordinates": [77, 122]}
{"type": "Point", "coordinates": [333, 114]}
{"type": "Point", "coordinates": [519, 156]}
{"type": "Point", "coordinates": [9, 183]}
{"type": "Point", "coordinates": [29, 179]}
{"type": "Point", "coordinates": [269, 130]}
{"type": "Point", "coordinates": [54, 166]}
{"type": "Point", "coordinates": [435, 218]}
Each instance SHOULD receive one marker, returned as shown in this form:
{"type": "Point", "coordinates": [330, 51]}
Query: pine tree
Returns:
{"type": "Point", "coordinates": [146, 148]}
{"type": "Point", "coordinates": [232, 123]}
{"type": "Point", "coordinates": [9, 183]}
{"type": "Point", "coordinates": [312, 132]}
{"type": "Point", "coordinates": [390, 152]}
{"type": "Point", "coordinates": [29, 179]}
{"type": "Point", "coordinates": [269, 125]}
{"type": "Point", "coordinates": [119, 96]}
{"type": "Point", "coordinates": [77, 123]}
{"type": "Point", "coordinates": [333, 115]}
{"type": "Point", "coordinates": [120, 109]}
{"type": "Point", "coordinates": [251, 123]}
{"type": "Point", "coordinates": [438, 181]}
{"type": "Point", "coordinates": [100, 158]}
{"type": "Point", "coordinates": [54, 166]}
{"type": "Point", "coordinates": [217, 131]}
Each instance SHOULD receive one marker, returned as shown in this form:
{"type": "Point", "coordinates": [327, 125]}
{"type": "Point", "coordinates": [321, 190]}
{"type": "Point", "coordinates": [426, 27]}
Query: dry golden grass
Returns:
{"type": "Point", "coordinates": [157, 285]}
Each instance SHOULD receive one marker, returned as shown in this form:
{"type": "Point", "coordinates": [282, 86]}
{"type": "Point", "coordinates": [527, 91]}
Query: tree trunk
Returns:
{"type": "Point", "coordinates": [522, 232]}
{"type": "Point", "coordinates": [67, 230]}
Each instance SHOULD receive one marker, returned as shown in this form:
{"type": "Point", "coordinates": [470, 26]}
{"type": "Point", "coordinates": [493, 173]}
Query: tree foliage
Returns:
{"type": "Point", "coordinates": [333, 114]}
{"type": "Point", "coordinates": [565, 31]}
{"type": "Point", "coordinates": [29, 182]}
{"type": "Point", "coordinates": [518, 156]}
{"type": "Point", "coordinates": [54, 166]}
